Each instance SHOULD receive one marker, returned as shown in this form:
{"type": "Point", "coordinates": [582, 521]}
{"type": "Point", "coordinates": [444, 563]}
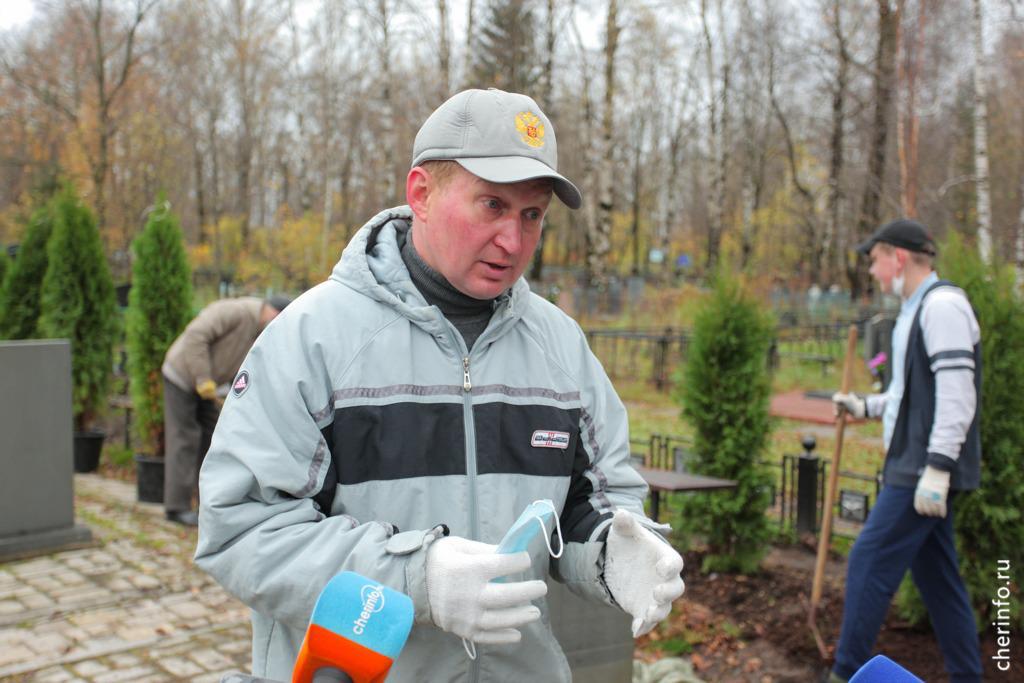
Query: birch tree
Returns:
{"type": "Point", "coordinates": [984, 201]}
{"type": "Point", "coordinates": [600, 234]}
{"type": "Point", "coordinates": [718, 125]}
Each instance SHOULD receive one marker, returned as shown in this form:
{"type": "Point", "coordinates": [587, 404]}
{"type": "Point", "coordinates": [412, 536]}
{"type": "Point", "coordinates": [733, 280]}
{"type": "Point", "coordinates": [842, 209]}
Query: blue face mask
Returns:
{"type": "Point", "coordinates": [538, 516]}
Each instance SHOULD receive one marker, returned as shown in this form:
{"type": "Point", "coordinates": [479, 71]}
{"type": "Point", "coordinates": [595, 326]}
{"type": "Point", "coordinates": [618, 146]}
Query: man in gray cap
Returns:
{"type": "Point", "coordinates": [930, 417]}
{"type": "Point", "coordinates": [198, 369]}
{"type": "Point", "coordinates": [424, 388]}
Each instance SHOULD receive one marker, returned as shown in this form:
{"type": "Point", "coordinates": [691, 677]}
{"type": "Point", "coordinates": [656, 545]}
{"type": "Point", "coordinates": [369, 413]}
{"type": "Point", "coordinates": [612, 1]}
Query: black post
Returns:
{"type": "Point", "coordinates": [807, 488]}
{"type": "Point", "coordinates": [661, 359]}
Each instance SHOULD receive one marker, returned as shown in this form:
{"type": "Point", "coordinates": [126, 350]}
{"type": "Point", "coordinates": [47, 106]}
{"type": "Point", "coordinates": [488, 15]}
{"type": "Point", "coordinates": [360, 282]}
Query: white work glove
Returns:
{"type": "Point", "coordinates": [641, 571]}
{"type": "Point", "coordinates": [464, 601]}
{"type": "Point", "coordinates": [932, 491]}
{"type": "Point", "coordinates": [855, 405]}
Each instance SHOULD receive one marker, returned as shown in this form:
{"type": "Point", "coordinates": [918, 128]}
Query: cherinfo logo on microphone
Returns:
{"type": "Point", "coordinates": [373, 602]}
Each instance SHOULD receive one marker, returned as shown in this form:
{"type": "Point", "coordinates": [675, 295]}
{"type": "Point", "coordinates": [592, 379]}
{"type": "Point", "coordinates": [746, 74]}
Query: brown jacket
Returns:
{"type": "Point", "coordinates": [214, 344]}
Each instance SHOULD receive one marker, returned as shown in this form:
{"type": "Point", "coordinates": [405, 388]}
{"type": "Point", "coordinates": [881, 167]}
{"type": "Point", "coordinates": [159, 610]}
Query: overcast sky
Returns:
{"type": "Point", "coordinates": [14, 12]}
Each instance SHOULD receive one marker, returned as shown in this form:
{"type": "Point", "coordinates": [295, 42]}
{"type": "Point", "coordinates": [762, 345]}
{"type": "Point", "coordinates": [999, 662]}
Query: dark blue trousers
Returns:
{"type": "Point", "coordinates": [895, 538]}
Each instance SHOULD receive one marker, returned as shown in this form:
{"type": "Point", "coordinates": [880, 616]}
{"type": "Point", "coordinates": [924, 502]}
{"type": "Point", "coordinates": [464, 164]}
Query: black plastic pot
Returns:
{"type": "Point", "coordinates": [87, 448]}
{"type": "Point", "coordinates": [149, 479]}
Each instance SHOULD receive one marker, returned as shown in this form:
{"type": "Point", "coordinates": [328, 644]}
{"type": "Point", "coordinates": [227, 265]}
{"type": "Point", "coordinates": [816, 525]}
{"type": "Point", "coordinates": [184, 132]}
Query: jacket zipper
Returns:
{"type": "Point", "coordinates": [471, 471]}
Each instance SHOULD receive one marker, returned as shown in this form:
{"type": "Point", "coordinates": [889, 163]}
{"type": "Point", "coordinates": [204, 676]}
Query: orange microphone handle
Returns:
{"type": "Point", "coordinates": [322, 648]}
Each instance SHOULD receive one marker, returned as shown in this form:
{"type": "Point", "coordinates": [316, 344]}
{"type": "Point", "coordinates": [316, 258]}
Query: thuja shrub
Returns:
{"type": "Point", "coordinates": [159, 307]}
{"type": "Point", "coordinates": [77, 302]}
{"type": "Point", "coordinates": [990, 521]}
{"type": "Point", "coordinates": [19, 296]}
{"type": "Point", "coordinates": [724, 390]}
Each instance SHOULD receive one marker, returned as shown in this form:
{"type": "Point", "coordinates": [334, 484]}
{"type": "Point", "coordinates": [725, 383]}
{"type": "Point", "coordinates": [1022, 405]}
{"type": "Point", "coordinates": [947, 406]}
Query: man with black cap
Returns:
{"type": "Point", "coordinates": [424, 388]}
{"type": "Point", "coordinates": [929, 414]}
{"type": "Point", "coordinates": [198, 370]}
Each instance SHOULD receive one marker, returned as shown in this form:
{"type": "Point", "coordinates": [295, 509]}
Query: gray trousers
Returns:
{"type": "Point", "coordinates": [188, 426]}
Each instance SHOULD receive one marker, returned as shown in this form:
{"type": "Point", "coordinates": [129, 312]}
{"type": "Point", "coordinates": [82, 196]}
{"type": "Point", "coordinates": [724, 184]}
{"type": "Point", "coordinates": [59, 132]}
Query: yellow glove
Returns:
{"type": "Point", "coordinates": [207, 390]}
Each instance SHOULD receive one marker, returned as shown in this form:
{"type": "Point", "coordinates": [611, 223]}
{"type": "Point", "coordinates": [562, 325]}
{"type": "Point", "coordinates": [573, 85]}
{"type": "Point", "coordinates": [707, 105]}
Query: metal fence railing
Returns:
{"type": "Point", "coordinates": [640, 353]}
{"type": "Point", "coordinates": [797, 490]}
{"type": "Point", "coordinates": [656, 355]}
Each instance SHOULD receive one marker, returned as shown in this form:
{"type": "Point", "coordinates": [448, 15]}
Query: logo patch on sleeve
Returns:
{"type": "Point", "coordinates": [543, 438]}
{"type": "Point", "coordinates": [241, 383]}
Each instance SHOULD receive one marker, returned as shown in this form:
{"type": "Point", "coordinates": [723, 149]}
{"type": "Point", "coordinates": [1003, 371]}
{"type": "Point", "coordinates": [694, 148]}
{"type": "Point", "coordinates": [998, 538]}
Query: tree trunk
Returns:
{"type": "Point", "coordinates": [601, 241]}
{"type": "Point", "coordinates": [753, 135]}
{"type": "Point", "coordinates": [470, 16]}
{"type": "Point", "coordinates": [835, 191]}
{"type": "Point", "coordinates": [1019, 246]}
{"type": "Point", "coordinates": [637, 187]}
{"type": "Point", "coordinates": [387, 113]}
{"type": "Point", "coordinates": [870, 211]}
{"type": "Point", "coordinates": [1020, 239]}
{"type": "Point", "coordinates": [981, 142]}
{"type": "Point", "coordinates": [546, 103]}
{"type": "Point", "coordinates": [325, 227]}
{"type": "Point", "coordinates": [675, 180]}
{"type": "Point", "coordinates": [715, 213]}
{"type": "Point", "coordinates": [197, 170]}
{"type": "Point", "coordinates": [244, 173]}
{"type": "Point", "coordinates": [444, 49]}
{"type": "Point", "coordinates": [907, 120]}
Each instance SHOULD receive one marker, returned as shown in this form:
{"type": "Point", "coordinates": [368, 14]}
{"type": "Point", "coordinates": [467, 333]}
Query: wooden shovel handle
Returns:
{"type": "Point", "coordinates": [824, 540]}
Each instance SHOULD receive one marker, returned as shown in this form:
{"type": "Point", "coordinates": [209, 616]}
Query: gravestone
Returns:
{"type": "Point", "coordinates": [36, 494]}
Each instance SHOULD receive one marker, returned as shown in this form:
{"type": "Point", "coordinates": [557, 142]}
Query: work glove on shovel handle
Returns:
{"type": "Point", "coordinates": [853, 404]}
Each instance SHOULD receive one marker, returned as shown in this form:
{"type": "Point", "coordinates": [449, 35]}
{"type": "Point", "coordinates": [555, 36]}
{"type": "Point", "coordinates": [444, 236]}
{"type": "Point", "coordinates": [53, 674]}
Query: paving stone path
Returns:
{"type": "Point", "coordinates": [131, 608]}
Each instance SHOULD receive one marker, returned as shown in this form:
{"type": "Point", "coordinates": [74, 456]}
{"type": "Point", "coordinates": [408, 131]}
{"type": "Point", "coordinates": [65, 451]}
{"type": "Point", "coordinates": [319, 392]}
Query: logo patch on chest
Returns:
{"type": "Point", "coordinates": [544, 438]}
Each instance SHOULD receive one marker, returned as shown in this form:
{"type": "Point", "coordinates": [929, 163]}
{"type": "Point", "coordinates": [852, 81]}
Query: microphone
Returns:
{"type": "Point", "coordinates": [881, 669]}
{"type": "Point", "coordinates": [356, 632]}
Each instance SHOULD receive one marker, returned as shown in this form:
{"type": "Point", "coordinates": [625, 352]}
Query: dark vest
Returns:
{"type": "Point", "coordinates": [908, 450]}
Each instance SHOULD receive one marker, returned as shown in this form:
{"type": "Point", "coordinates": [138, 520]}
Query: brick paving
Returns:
{"type": "Point", "coordinates": [131, 608]}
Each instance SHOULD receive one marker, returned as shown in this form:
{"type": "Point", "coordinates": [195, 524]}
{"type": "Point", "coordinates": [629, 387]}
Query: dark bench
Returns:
{"type": "Point", "coordinates": [678, 482]}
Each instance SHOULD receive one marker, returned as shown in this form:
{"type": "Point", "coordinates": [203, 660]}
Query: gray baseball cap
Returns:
{"type": "Point", "coordinates": [498, 136]}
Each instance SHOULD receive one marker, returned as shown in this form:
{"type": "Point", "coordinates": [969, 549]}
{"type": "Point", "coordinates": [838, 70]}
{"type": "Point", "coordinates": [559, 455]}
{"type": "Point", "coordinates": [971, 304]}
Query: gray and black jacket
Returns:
{"type": "Point", "coordinates": [361, 413]}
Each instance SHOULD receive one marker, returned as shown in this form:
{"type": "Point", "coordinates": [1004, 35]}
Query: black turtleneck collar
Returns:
{"type": "Point", "coordinates": [469, 315]}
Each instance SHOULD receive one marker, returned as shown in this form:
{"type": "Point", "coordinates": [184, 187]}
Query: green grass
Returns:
{"type": "Point", "coordinates": [118, 454]}
{"type": "Point", "coordinates": [673, 647]}
{"type": "Point", "coordinates": [730, 629]}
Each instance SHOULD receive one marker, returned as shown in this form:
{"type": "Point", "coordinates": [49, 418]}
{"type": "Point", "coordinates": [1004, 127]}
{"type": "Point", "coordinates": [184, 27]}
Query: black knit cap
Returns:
{"type": "Point", "coordinates": [277, 302]}
{"type": "Point", "coordinates": [903, 233]}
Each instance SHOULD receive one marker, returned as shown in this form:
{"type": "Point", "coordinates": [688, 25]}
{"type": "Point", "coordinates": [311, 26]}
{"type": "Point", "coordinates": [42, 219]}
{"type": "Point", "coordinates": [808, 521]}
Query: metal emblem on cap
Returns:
{"type": "Point", "coordinates": [530, 128]}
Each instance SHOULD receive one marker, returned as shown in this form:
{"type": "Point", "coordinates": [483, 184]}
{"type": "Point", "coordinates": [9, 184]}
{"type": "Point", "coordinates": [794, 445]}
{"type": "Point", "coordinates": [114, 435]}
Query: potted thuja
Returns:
{"type": "Point", "coordinates": [159, 307]}
{"type": "Point", "coordinates": [77, 303]}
